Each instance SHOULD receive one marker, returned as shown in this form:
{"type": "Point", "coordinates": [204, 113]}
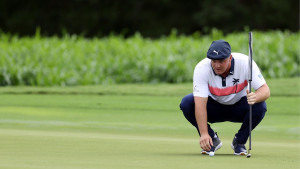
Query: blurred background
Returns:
{"type": "Point", "coordinates": [152, 18]}
{"type": "Point", "coordinates": [116, 41]}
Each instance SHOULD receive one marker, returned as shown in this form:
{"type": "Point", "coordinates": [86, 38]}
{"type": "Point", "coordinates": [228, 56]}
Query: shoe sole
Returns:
{"type": "Point", "coordinates": [218, 147]}
{"type": "Point", "coordinates": [203, 152]}
{"type": "Point", "coordinates": [239, 154]}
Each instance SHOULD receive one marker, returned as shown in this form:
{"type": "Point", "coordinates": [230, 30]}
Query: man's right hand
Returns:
{"type": "Point", "coordinates": [206, 142]}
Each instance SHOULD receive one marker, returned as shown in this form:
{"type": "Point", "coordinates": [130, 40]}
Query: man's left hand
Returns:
{"type": "Point", "coordinates": [251, 97]}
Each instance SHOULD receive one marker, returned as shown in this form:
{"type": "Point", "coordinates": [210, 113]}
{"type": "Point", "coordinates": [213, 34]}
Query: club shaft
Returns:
{"type": "Point", "coordinates": [250, 80]}
{"type": "Point", "coordinates": [250, 127]}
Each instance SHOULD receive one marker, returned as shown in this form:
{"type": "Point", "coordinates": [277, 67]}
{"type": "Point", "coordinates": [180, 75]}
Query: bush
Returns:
{"type": "Point", "coordinates": [74, 60]}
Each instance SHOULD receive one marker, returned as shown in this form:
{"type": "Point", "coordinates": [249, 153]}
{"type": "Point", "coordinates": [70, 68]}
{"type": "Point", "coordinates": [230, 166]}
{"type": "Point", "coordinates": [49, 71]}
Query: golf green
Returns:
{"type": "Point", "coordinates": [78, 129]}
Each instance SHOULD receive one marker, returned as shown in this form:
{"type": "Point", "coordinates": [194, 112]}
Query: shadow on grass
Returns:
{"type": "Point", "coordinates": [201, 155]}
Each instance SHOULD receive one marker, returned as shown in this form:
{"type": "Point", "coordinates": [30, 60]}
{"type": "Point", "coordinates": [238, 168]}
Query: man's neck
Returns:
{"type": "Point", "coordinates": [225, 74]}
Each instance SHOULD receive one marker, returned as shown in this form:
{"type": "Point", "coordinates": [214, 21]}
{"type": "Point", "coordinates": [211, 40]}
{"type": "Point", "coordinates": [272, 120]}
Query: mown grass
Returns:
{"type": "Point", "coordinates": [279, 87]}
{"type": "Point", "coordinates": [134, 126]}
{"type": "Point", "coordinates": [74, 60]}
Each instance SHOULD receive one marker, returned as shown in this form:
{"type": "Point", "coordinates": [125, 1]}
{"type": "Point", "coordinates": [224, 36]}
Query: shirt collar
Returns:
{"type": "Point", "coordinates": [231, 71]}
{"type": "Point", "coordinates": [232, 67]}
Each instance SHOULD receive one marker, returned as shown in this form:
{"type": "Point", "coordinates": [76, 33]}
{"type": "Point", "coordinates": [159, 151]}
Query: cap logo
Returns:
{"type": "Point", "coordinates": [216, 52]}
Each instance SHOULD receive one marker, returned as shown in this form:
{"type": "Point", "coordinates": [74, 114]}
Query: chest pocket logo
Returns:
{"type": "Point", "coordinates": [235, 82]}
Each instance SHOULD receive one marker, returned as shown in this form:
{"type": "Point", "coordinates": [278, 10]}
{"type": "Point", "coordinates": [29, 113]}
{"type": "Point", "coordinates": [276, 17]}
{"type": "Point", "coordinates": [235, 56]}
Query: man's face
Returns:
{"type": "Point", "coordinates": [221, 66]}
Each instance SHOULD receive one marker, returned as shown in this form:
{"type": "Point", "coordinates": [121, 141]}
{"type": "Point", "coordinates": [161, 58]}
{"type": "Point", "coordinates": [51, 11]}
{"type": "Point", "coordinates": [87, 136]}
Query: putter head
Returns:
{"type": "Point", "coordinates": [249, 155]}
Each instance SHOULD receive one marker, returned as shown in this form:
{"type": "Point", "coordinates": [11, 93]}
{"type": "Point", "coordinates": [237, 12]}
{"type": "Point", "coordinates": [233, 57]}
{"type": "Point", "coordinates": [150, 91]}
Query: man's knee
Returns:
{"type": "Point", "coordinates": [187, 103]}
{"type": "Point", "coordinates": [259, 110]}
{"type": "Point", "coordinates": [187, 106]}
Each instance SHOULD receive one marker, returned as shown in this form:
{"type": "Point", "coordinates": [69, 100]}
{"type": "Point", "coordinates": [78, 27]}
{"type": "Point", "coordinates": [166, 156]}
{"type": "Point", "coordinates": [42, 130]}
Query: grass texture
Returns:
{"type": "Point", "coordinates": [134, 126]}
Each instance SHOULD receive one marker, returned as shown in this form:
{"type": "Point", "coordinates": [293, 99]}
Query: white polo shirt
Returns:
{"type": "Point", "coordinates": [227, 90]}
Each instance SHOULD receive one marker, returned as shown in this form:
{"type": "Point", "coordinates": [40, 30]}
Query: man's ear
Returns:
{"type": "Point", "coordinates": [230, 57]}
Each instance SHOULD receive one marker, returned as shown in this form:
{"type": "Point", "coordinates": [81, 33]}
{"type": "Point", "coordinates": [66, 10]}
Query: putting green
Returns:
{"type": "Point", "coordinates": [139, 130]}
{"type": "Point", "coordinates": [64, 149]}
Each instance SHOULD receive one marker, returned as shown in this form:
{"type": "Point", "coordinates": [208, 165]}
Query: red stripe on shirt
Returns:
{"type": "Point", "coordinates": [228, 90]}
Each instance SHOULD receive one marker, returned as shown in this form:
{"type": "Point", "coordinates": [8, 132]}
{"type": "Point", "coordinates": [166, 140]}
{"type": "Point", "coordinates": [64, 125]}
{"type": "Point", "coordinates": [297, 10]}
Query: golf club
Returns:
{"type": "Point", "coordinates": [250, 79]}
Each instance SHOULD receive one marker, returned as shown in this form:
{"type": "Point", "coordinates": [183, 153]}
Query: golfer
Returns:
{"type": "Point", "coordinates": [221, 94]}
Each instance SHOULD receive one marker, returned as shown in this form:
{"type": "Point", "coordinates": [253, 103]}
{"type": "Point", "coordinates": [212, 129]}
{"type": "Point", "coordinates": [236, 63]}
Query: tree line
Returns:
{"type": "Point", "coordinates": [152, 18]}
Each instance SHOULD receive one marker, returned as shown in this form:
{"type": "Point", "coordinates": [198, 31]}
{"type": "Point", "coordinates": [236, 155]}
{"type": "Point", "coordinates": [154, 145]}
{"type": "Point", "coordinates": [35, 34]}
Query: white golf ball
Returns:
{"type": "Point", "coordinates": [211, 154]}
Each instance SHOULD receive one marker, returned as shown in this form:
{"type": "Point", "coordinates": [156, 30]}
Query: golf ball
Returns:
{"type": "Point", "coordinates": [211, 154]}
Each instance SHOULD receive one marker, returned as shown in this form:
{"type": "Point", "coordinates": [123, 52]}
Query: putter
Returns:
{"type": "Point", "coordinates": [250, 79]}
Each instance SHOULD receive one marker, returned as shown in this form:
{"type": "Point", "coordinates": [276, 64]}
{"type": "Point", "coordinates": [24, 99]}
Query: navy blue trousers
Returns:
{"type": "Point", "coordinates": [216, 112]}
